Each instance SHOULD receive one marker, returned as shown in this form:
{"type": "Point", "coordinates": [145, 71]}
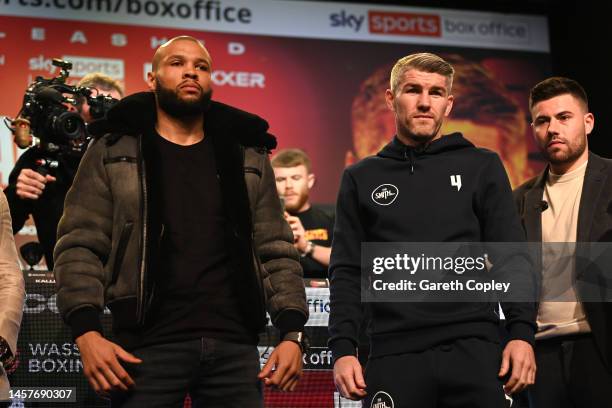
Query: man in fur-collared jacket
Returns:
{"type": "Point", "coordinates": [173, 222]}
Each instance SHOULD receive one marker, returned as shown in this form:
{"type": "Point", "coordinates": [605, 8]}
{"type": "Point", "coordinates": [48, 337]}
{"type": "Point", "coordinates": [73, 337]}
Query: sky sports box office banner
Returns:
{"type": "Point", "coordinates": [317, 71]}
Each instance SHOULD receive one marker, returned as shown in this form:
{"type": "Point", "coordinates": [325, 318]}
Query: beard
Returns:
{"type": "Point", "coordinates": [173, 105]}
{"type": "Point", "coordinates": [293, 208]}
{"type": "Point", "coordinates": [571, 154]}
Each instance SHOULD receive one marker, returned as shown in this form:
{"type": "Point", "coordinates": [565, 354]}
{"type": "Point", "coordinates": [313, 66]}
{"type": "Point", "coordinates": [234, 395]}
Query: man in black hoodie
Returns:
{"type": "Point", "coordinates": [426, 355]}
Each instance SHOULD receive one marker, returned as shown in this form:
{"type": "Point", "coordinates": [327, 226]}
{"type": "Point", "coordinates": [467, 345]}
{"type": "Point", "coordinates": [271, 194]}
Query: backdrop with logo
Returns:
{"type": "Point", "coordinates": [316, 71]}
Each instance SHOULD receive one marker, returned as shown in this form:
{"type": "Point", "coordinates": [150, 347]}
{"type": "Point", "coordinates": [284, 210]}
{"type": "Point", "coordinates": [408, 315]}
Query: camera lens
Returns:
{"type": "Point", "coordinates": [69, 125]}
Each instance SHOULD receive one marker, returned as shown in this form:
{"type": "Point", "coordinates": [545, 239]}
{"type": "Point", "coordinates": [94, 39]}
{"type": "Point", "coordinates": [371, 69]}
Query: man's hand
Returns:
{"type": "Point", "coordinates": [101, 363]}
{"type": "Point", "coordinates": [299, 240]}
{"type": "Point", "coordinates": [348, 376]}
{"type": "Point", "coordinates": [31, 184]}
{"type": "Point", "coordinates": [286, 360]}
{"type": "Point", "coordinates": [519, 356]}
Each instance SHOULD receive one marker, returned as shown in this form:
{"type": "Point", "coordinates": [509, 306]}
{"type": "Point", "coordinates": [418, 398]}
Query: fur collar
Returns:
{"type": "Point", "coordinates": [135, 113]}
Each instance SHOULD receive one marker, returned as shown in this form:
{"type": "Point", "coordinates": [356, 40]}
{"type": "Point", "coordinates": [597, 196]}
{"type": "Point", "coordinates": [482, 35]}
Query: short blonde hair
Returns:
{"type": "Point", "coordinates": [101, 81]}
{"type": "Point", "coordinates": [291, 158]}
{"type": "Point", "coordinates": [425, 62]}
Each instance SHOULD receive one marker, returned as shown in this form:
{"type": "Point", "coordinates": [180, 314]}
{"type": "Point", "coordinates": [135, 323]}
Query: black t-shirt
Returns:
{"type": "Point", "coordinates": [195, 293]}
{"type": "Point", "coordinates": [319, 228]}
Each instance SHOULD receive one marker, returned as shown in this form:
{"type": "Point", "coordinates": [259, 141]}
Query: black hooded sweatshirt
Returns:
{"type": "Point", "coordinates": [427, 208]}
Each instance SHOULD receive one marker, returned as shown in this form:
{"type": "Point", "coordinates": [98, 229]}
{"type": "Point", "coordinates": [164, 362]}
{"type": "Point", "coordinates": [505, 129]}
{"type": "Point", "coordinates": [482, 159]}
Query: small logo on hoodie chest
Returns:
{"type": "Point", "coordinates": [456, 181]}
{"type": "Point", "coordinates": [385, 194]}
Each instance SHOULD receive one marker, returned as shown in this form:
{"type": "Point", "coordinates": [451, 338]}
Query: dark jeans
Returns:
{"type": "Point", "coordinates": [461, 374]}
{"type": "Point", "coordinates": [571, 374]}
{"type": "Point", "coordinates": [215, 373]}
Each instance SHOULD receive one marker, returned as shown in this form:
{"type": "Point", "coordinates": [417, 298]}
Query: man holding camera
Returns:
{"type": "Point", "coordinates": [34, 189]}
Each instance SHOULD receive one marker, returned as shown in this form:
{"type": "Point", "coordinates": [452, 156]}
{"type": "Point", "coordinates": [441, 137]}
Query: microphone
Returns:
{"type": "Point", "coordinates": [22, 131]}
{"type": "Point", "coordinates": [542, 206]}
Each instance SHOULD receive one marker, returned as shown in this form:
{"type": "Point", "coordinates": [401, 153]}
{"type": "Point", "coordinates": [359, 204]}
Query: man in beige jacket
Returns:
{"type": "Point", "coordinates": [12, 295]}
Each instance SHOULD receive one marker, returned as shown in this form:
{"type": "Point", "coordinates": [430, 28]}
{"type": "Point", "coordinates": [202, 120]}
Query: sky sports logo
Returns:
{"type": "Point", "coordinates": [432, 25]}
{"type": "Point", "coordinates": [385, 22]}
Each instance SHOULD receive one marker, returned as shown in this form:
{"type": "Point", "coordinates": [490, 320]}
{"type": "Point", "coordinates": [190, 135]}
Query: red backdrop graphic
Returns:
{"type": "Point", "coordinates": [305, 88]}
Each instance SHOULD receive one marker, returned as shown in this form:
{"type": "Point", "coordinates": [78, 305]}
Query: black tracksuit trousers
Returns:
{"type": "Point", "coordinates": [460, 374]}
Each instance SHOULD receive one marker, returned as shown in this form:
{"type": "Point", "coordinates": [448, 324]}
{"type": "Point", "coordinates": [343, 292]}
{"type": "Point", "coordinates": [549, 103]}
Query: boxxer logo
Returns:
{"type": "Point", "coordinates": [382, 400]}
{"type": "Point", "coordinates": [385, 194]}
